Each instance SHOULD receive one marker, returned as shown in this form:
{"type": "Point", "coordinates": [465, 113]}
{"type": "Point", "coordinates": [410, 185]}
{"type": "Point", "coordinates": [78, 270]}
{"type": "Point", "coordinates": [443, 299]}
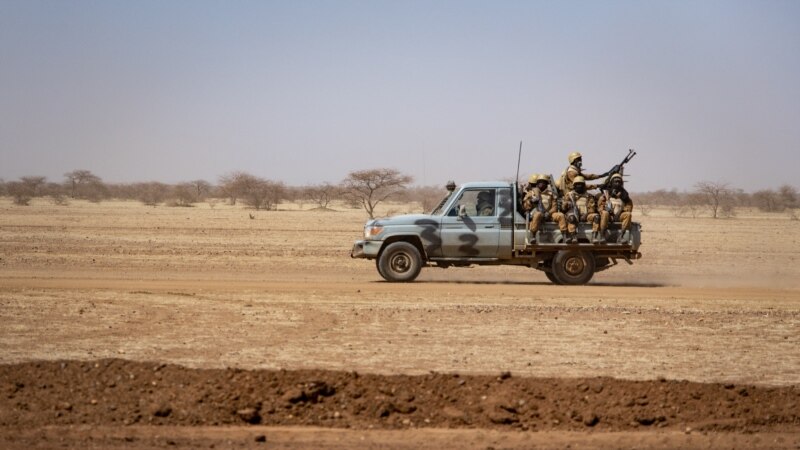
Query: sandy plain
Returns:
{"type": "Point", "coordinates": [711, 301]}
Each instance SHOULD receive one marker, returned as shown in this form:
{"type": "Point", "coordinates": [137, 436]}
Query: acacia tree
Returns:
{"type": "Point", "coordinates": [717, 195]}
{"type": "Point", "coordinates": [84, 184]}
{"type": "Point", "coordinates": [201, 188]}
{"type": "Point", "coordinates": [322, 194]}
{"type": "Point", "coordinates": [25, 189]}
{"type": "Point", "coordinates": [256, 192]}
{"type": "Point", "coordinates": [368, 188]}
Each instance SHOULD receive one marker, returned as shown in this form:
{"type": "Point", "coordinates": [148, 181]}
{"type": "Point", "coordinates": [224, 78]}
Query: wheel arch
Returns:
{"type": "Point", "coordinates": [410, 238]}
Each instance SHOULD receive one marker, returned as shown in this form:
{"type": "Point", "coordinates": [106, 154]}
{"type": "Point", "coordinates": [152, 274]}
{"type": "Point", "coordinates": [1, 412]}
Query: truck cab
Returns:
{"type": "Point", "coordinates": [481, 223]}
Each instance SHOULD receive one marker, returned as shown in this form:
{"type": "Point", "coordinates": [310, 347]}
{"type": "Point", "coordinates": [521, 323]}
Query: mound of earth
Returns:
{"type": "Point", "coordinates": [116, 392]}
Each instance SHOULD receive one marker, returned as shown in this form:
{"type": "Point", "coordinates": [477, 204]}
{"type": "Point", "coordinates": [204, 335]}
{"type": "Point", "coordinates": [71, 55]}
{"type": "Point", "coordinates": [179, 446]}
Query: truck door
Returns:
{"type": "Point", "coordinates": [476, 233]}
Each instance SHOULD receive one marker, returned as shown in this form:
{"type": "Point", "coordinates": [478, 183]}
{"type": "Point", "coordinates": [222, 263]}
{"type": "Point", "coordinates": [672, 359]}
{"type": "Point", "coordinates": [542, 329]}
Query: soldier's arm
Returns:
{"type": "Point", "coordinates": [590, 176]}
{"type": "Point", "coordinates": [553, 206]}
{"type": "Point", "coordinates": [628, 206]}
{"type": "Point", "coordinates": [601, 201]}
{"type": "Point", "coordinates": [591, 205]}
{"type": "Point", "coordinates": [566, 205]}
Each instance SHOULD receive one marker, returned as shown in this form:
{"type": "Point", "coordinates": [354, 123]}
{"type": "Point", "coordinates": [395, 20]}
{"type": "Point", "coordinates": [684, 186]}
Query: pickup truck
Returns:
{"type": "Point", "coordinates": [454, 234]}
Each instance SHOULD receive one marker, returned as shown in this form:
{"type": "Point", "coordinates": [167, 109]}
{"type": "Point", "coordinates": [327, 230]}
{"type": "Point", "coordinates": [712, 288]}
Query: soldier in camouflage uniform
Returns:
{"type": "Point", "coordinates": [618, 207]}
{"type": "Point", "coordinates": [574, 170]}
{"type": "Point", "coordinates": [585, 204]}
{"type": "Point", "coordinates": [541, 203]}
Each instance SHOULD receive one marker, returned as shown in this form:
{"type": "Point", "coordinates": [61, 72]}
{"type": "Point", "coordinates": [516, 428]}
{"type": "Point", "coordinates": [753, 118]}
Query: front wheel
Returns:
{"type": "Point", "coordinates": [399, 262]}
{"type": "Point", "coordinates": [573, 267]}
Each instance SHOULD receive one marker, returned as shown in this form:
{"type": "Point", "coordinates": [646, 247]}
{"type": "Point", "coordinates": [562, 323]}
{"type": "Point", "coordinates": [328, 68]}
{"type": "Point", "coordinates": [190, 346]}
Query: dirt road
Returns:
{"type": "Point", "coordinates": [211, 288]}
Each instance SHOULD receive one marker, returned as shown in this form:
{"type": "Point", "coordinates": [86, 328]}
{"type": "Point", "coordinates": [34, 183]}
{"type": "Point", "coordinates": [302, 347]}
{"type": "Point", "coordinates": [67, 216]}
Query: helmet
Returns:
{"type": "Point", "coordinates": [484, 195]}
{"type": "Point", "coordinates": [578, 180]}
{"type": "Point", "coordinates": [615, 176]}
{"type": "Point", "coordinates": [543, 177]}
{"type": "Point", "coordinates": [534, 177]}
{"type": "Point", "coordinates": [573, 156]}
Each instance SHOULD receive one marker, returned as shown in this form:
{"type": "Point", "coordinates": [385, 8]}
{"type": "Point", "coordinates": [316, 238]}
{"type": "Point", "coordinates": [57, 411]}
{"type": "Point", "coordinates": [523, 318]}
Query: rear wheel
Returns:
{"type": "Point", "coordinates": [573, 267]}
{"type": "Point", "coordinates": [399, 262]}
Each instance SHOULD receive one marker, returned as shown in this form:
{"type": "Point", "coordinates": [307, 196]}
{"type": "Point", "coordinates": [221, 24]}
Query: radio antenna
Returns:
{"type": "Point", "coordinates": [519, 158]}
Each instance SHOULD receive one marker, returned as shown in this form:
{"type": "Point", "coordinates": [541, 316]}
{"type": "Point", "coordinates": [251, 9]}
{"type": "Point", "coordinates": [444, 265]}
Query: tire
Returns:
{"type": "Point", "coordinates": [551, 277]}
{"type": "Point", "coordinates": [378, 267]}
{"type": "Point", "coordinates": [573, 267]}
{"type": "Point", "coordinates": [399, 262]}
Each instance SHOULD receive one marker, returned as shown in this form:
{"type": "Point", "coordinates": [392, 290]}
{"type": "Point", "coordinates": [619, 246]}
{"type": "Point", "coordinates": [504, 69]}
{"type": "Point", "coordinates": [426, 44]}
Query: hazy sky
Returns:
{"type": "Point", "coordinates": [306, 91]}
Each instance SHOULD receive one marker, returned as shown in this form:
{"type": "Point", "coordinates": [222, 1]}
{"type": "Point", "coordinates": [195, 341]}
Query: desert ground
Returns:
{"type": "Point", "coordinates": [127, 326]}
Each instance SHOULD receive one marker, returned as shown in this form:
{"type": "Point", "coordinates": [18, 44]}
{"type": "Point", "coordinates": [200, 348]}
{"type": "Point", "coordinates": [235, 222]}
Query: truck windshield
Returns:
{"type": "Point", "coordinates": [438, 210]}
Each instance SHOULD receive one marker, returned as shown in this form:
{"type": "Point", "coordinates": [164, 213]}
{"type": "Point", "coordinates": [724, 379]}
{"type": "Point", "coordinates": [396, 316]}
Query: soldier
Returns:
{"type": "Point", "coordinates": [575, 164]}
{"type": "Point", "coordinates": [541, 202]}
{"type": "Point", "coordinates": [578, 207]}
{"type": "Point", "coordinates": [485, 204]}
{"type": "Point", "coordinates": [618, 207]}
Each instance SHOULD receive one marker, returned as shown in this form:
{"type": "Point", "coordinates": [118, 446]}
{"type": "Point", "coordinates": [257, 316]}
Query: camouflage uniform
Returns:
{"type": "Point", "coordinates": [587, 206]}
{"type": "Point", "coordinates": [572, 172]}
{"type": "Point", "coordinates": [548, 202]}
{"type": "Point", "coordinates": [621, 208]}
{"type": "Point", "coordinates": [567, 180]}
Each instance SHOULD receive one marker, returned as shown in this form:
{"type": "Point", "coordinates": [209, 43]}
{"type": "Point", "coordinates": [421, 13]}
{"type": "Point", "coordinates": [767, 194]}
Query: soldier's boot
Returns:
{"type": "Point", "coordinates": [572, 238]}
{"type": "Point", "coordinates": [624, 237]}
{"type": "Point", "coordinates": [598, 238]}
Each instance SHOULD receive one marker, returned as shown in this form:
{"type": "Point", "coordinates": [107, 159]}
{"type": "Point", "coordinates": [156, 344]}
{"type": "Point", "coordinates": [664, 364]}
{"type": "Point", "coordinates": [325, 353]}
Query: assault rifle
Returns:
{"type": "Point", "coordinates": [575, 211]}
{"type": "Point", "coordinates": [557, 192]}
{"type": "Point", "coordinates": [619, 168]}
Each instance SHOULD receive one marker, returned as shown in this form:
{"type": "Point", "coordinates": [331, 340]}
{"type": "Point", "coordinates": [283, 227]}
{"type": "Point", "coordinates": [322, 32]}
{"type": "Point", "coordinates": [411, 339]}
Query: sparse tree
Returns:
{"type": "Point", "coordinates": [184, 194]}
{"type": "Point", "coordinates": [323, 194]}
{"type": "Point", "coordinates": [694, 203]}
{"type": "Point", "coordinates": [232, 185]}
{"type": "Point", "coordinates": [202, 189]}
{"type": "Point", "coordinates": [259, 193]}
{"type": "Point", "coordinates": [152, 193]}
{"type": "Point", "coordinates": [789, 195]}
{"type": "Point", "coordinates": [20, 193]}
{"type": "Point", "coordinates": [768, 200]}
{"type": "Point", "coordinates": [84, 184]}
{"type": "Point", "coordinates": [256, 192]}
{"type": "Point", "coordinates": [370, 187]}
{"type": "Point", "coordinates": [716, 195]}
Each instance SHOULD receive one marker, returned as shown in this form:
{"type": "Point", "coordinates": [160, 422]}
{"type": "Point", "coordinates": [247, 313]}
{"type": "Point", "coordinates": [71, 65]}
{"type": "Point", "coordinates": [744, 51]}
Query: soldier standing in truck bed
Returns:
{"type": "Point", "coordinates": [541, 203]}
{"type": "Point", "coordinates": [619, 206]}
{"type": "Point", "coordinates": [574, 170]}
{"type": "Point", "coordinates": [579, 207]}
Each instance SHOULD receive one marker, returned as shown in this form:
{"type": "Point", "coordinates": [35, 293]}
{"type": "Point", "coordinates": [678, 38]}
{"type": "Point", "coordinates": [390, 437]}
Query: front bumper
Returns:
{"type": "Point", "coordinates": [366, 249]}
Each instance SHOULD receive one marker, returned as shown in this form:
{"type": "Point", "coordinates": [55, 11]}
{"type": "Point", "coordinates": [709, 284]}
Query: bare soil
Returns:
{"type": "Point", "coordinates": [207, 304]}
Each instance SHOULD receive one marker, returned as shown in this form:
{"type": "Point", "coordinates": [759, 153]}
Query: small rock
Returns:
{"type": "Point", "coordinates": [502, 417]}
{"type": "Point", "coordinates": [505, 375]}
{"type": "Point", "coordinates": [161, 410]}
{"type": "Point", "coordinates": [645, 420]}
{"type": "Point", "coordinates": [294, 396]}
{"type": "Point", "coordinates": [261, 438]}
{"type": "Point", "coordinates": [249, 415]}
{"type": "Point", "coordinates": [590, 419]}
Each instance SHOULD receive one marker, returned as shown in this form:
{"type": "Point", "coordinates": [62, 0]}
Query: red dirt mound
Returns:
{"type": "Point", "coordinates": [113, 392]}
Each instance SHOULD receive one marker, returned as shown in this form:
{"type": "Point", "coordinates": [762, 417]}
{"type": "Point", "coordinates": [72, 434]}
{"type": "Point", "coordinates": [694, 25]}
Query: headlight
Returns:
{"type": "Point", "coordinates": [371, 231]}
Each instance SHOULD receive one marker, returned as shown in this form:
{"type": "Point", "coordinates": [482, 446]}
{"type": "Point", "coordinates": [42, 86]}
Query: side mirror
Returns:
{"type": "Point", "coordinates": [462, 211]}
